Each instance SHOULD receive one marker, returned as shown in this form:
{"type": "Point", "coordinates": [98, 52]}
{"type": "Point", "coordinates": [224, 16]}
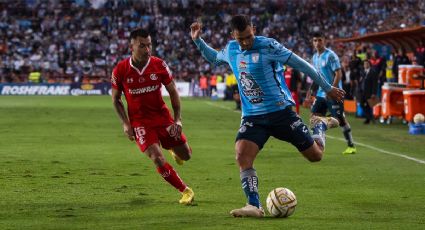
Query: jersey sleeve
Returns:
{"type": "Point", "coordinates": [116, 81]}
{"type": "Point", "coordinates": [212, 55]}
{"type": "Point", "coordinates": [300, 64]}
{"type": "Point", "coordinates": [334, 62]}
{"type": "Point", "coordinates": [166, 75]}
{"type": "Point", "coordinates": [278, 52]}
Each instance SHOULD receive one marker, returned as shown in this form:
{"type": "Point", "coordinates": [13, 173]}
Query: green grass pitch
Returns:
{"type": "Point", "coordinates": [65, 164]}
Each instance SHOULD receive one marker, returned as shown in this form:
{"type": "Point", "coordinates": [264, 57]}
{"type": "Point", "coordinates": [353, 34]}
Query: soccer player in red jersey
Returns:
{"type": "Point", "coordinates": [149, 122]}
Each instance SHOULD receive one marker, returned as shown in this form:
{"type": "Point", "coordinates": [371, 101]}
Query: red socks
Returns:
{"type": "Point", "coordinates": [167, 172]}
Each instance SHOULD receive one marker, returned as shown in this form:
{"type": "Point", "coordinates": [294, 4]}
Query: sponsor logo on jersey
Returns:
{"type": "Point", "coordinates": [256, 100]}
{"type": "Point", "coordinates": [255, 57]}
{"type": "Point", "coordinates": [153, 77]}
{"type": "Point", "coordinates": [143, 90]}
{"type": "Point", "coordinates": [129, 80]}
{"type": "Point", "coordinates": [249, 87]}
{"type": "Point", "coordinates": [242, 65]}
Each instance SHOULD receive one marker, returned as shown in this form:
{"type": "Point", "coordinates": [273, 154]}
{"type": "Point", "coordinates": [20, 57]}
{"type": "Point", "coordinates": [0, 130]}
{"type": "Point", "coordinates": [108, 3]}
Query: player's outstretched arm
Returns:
{"type": "Point", "coordinates": [119, 108]}
{"type": "Point", "coordinates": [298, 63]}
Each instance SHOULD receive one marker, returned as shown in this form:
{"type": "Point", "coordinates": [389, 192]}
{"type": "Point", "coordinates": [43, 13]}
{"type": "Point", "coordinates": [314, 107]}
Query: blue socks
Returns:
{"type": "Point", "coordinates": [249, 181]}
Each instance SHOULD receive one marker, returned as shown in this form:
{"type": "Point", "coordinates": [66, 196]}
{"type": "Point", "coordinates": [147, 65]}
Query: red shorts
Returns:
{"type": "Point", "coordinates": [146, 136]}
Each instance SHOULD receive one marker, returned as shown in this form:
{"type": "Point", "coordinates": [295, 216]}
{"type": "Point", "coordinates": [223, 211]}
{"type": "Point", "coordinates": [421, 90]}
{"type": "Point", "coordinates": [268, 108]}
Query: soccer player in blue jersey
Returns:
{"type": "Point", "coordinates": [327, 63]}
{"type": "Point", "coordinates": [257, 64]}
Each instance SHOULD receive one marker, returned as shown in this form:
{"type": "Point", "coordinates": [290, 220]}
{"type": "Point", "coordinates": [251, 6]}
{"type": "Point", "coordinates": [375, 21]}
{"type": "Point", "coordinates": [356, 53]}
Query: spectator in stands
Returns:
{"type": "Point", "coordinates": [66, 32]}
{"type": "Point", "coordinates": [34, 76]}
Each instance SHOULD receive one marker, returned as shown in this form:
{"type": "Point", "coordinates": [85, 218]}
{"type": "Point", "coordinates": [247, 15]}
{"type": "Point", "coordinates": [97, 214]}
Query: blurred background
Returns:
{"type": "Point", "coordinates": [78, 43]}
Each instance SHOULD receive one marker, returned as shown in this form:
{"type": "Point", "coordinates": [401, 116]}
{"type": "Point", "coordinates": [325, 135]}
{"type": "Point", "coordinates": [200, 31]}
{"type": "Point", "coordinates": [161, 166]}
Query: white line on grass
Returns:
{"type": "Point", "coordinates": [341, 139]}
{"type": "Point", "coordinates": [381, 150]}
{"type": "Point", "coordinates": [222, 107]}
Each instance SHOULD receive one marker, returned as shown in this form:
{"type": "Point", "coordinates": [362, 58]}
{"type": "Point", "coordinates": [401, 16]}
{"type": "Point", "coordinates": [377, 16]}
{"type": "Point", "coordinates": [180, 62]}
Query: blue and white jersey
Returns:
{"type": "Point", "coordinates": [259, 72]}
{"type": "Point", "coordinates": [326, 63]}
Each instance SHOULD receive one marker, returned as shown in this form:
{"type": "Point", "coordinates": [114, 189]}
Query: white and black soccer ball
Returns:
{"type": "Point", "coordinates": [281, 202]}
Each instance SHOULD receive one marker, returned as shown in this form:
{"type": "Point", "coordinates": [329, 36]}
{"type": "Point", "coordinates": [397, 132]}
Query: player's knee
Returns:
{"type": "Point", "coordinates": [184, 152]}
{"type": "Point", "coordinates": [157, 158]}
{"type": "Point", "coordinates": [315, 157]}
{"type": "Point", "coordinates": [186, 156]}
{"type": "Point", "coordinates": [342, 121]}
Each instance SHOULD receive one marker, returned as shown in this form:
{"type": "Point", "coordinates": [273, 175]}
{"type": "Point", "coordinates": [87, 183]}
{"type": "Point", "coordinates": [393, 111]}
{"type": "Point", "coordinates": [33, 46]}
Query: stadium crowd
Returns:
{"type": "Point", "coordinates": [74, 41]}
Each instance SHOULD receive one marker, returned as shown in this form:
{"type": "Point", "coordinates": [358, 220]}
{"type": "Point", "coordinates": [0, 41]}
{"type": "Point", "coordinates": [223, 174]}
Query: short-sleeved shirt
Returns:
{"type": "Point", "coordinates": [142, 90]}
{"type": "Point", "coordinates": [326, 63]}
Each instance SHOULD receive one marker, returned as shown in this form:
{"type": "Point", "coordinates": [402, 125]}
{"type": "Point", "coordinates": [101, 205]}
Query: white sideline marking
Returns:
{"type": "Point", "coordinates": [222, 107]}
{"type": "Point", "coordinates": [341, 139]}
{"type": "Point", "coordinates": [381, 150]}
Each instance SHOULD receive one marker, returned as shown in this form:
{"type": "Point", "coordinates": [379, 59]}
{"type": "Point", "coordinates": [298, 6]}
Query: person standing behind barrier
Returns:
{"type": "Point", "coordinates": [293, 81]}
{"type": "Point", "coordinates": [203, 85]}
{"type": "Point", "coordinates": [213, 84]}
{"type": "Point", "coordinates": [399, 59]}
{"type": "Point", "coordinates": [355, 67]}
{"type": "Point", "coordinates": [420, 54]}
{"type": "Point", "coordinates": [379, 64]}
{"type": "Point", "coordinates": [368, 86]}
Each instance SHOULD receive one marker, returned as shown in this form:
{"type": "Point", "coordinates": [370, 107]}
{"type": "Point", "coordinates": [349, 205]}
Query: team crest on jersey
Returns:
{"type": "Point", "coordinates": [255, 57]}
{"type": "Point", "coordinates": [129, 80]}
{"type": "Point", "coordinates": [153, 77]}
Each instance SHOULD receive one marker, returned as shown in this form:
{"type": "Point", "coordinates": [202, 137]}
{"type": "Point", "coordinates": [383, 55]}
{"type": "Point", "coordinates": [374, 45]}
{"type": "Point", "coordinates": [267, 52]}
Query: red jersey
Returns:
{"type": "Point", "coordinates": [142, 90]}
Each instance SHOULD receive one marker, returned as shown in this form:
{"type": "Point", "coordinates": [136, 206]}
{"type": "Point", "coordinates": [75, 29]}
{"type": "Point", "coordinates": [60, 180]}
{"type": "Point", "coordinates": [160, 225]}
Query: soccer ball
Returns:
{"type": "Point", "coordinates": [419, 118]}
{"type": "Point", "coordinates": [281, 202]}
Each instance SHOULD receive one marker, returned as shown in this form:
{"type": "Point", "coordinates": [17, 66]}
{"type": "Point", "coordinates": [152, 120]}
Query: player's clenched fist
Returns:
{"type": "Point", "coordinates": [195, 30]}
{"type": "Point", "coordinates": [175, 130]}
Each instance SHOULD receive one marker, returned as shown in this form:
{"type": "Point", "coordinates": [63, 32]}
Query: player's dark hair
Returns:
{"type": "Point", "coordinates": [139, 33]}
{"type": "Point", "coordinates": [318, 35]}
{"type": "Point", "coordinates": [240, 22]}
